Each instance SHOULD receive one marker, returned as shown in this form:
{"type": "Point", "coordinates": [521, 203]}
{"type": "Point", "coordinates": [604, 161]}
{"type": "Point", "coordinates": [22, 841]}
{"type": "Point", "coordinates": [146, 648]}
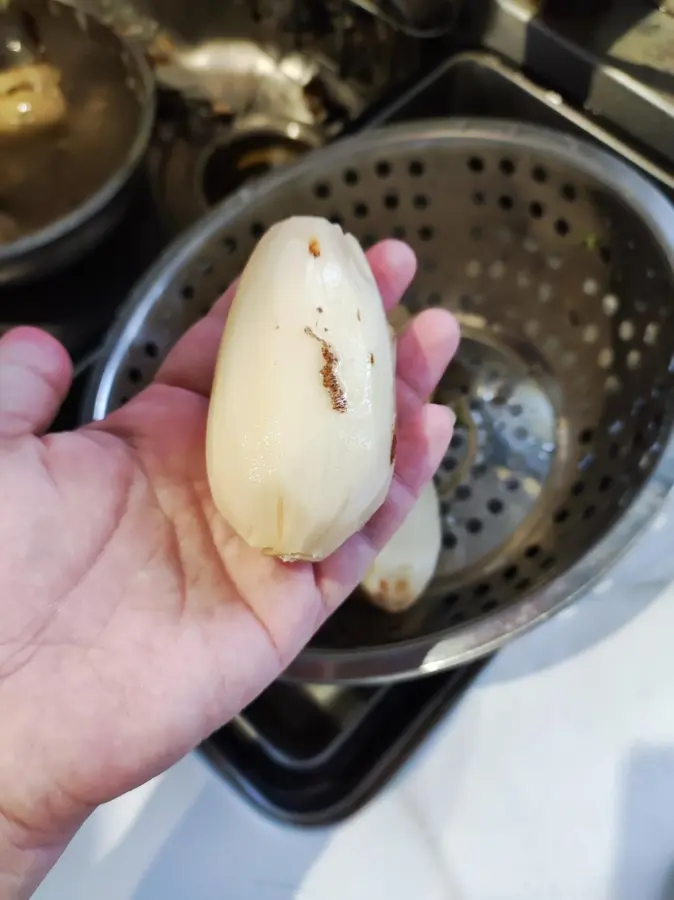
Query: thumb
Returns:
{"type": "Point", "coordinates": [35, 375]}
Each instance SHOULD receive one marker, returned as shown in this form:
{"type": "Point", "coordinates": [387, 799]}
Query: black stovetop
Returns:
{"type": "Point", "coordinates": [314, 754]}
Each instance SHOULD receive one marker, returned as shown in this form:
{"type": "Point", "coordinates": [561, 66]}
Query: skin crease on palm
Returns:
{"type": "Point", "coordinates": [134, 621]}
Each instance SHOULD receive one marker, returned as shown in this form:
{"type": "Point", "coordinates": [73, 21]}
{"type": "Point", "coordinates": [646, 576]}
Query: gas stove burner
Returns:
{"type": "Point", "coordinates": [231, 110]}
{"type": "Point", "coordinates": [204, 160]}
{"type": "Point", "coordinates": [250, 152]}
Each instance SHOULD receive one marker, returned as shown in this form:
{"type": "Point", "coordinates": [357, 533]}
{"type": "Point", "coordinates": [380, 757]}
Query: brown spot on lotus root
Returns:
{"type": "Point", "coordinates": [358, 314]}
{"type": "Point", "coordinates": [331, 381]}
{"type": "Point", "coordinates": [314, 247]}
{"type": "Point", "coordinates": [394, 441]}
{"type": "Point", "coordinates": [371, 359]}
{"type": "Point", "coordinates": [396, 596]}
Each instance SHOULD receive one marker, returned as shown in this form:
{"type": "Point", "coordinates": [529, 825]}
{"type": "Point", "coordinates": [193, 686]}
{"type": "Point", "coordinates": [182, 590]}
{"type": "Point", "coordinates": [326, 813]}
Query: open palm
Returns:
{"type": "Point", "coordinates": [134, 620]}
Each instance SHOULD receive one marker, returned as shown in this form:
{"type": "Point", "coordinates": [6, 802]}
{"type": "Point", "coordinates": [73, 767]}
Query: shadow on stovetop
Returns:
{"type": "Point", "coordinates": [644, 850]}
{"type": "Point", "coordinates": [220, 842]}
{"type": "Point", "coordinates": [579, 629]}
{"type": "Point", "coordinates": [221, 850]}
{"type": "Point", "coordinates": [598, 26]}
{"type": "Point", "coordinates": [191, 839]}
{"type": "Point", "coordinates": [640, 579]}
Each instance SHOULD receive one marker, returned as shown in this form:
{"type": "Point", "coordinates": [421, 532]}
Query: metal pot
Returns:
{"type": "Point", "coordinates": [70, 186]}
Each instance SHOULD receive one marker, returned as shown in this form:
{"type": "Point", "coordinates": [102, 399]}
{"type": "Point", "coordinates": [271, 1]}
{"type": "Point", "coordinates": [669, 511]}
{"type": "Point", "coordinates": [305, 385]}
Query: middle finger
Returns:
{"type": "Point", "coordinates": [425, 349]}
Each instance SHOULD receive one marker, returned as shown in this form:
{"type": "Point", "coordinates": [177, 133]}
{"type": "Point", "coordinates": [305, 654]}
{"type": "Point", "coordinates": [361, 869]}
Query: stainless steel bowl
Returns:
{"type": "Point", "coordinates": [557, 259]}
{"type": "Point", "coordinates": [67, 187]}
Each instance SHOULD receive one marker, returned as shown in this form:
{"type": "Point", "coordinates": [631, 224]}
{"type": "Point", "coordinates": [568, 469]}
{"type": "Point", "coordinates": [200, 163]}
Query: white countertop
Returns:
{"type": "Point", "coordinates": [553, 778]}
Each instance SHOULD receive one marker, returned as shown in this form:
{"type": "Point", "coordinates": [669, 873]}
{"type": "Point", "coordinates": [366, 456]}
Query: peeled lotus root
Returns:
{"type": "Point", "coordinates": [30, 99]}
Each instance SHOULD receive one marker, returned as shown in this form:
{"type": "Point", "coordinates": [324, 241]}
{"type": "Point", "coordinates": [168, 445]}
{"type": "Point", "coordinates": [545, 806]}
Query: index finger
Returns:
{"type": "Point", "coordinates": [191, 362]}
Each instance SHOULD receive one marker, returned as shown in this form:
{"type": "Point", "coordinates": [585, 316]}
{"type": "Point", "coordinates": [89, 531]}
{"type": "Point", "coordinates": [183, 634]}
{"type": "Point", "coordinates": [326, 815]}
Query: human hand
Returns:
{"type": "Point", "coordinates": [134, 621]}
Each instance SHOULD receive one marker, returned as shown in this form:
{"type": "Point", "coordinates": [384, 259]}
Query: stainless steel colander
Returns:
{"type": "Point", "coordinates": [556, 258]}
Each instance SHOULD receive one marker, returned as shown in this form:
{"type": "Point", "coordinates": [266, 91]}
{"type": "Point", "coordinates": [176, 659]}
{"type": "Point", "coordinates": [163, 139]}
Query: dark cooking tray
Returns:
{"type": "Point", "coordinates": [317, 762]}
{"type": "Point", "coordinates": [312, 755]}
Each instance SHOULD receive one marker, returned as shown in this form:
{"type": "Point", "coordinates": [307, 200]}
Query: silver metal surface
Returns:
{"type": "Point", "coordinates": [68, 188]}
{"type": "Point", "coordinates": [619, 67]}
{"type": "Point", "coordinates": [239, 76]}
{"type": "Point", "coordinates": [421, 11]}
{"type": "Point", "coordinates": [422, 19]}
{"type": "Point", "coordinates": [556, 257]}
{"type": "Point", "coordinates": [477, 83]}
{"type": "Point", "coordinates": [18, 46]}
{"type": "Point", "coordinates": [277, 39]}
